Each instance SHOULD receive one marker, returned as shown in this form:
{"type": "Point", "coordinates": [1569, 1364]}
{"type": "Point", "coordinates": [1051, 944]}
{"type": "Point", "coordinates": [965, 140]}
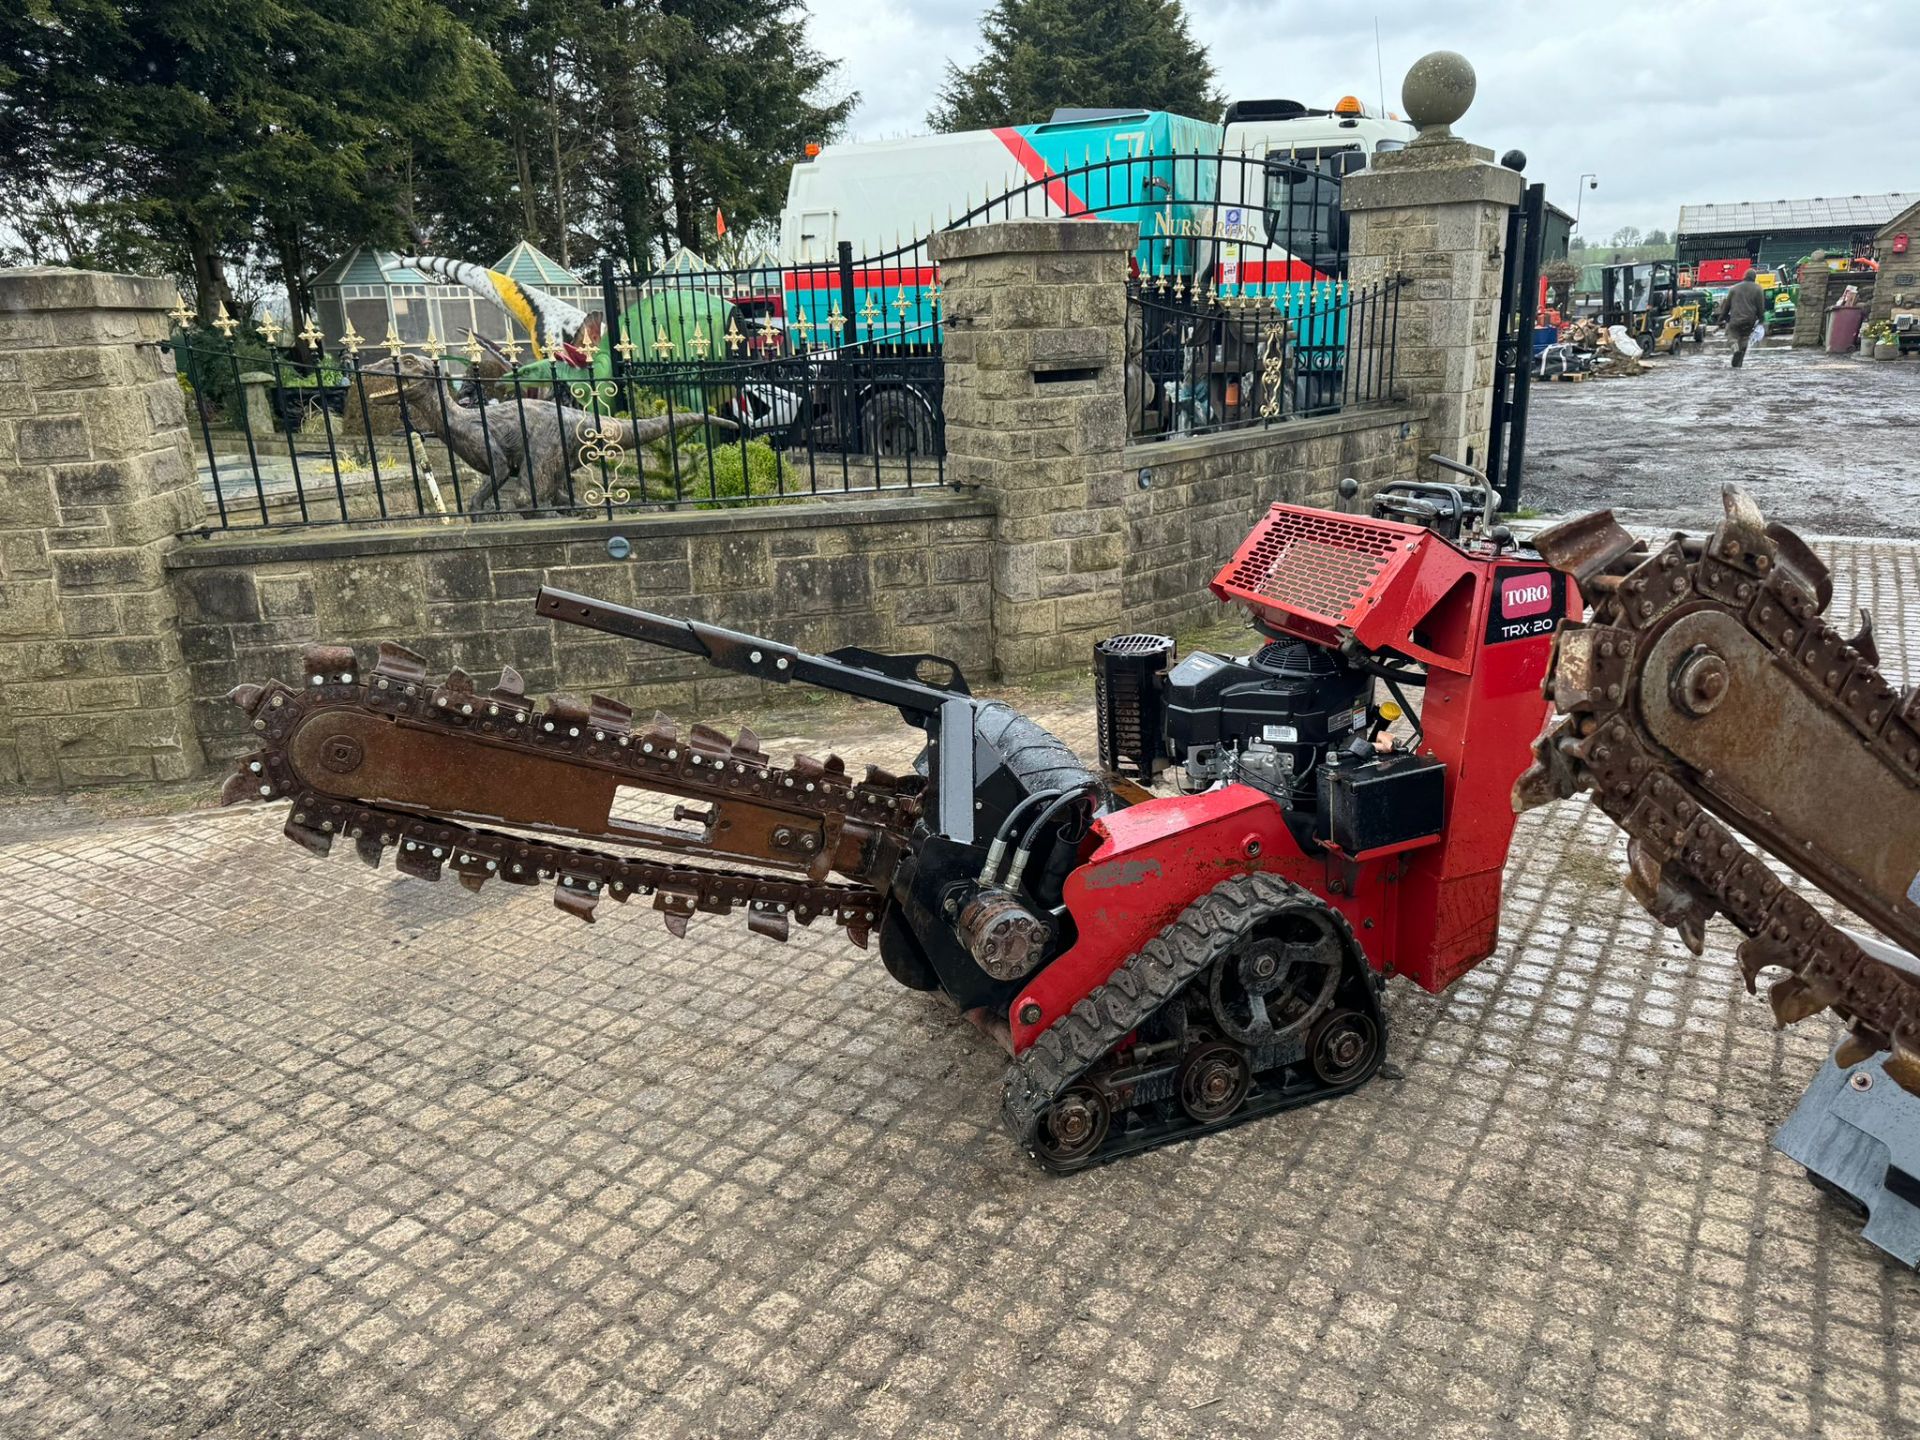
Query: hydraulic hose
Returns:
{"type": "Point", "coordinates": [991, 866]}
{"type": "Point", "coordinates": [1069, 797]}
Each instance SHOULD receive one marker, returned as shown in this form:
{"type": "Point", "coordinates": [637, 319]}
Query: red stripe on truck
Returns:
{"type": "Point", "coordinates": [884, 277]}
{"type": "Point", "coordinates": [1274, 272]}
{"type": "Point", "coordinates": [1029, 160]}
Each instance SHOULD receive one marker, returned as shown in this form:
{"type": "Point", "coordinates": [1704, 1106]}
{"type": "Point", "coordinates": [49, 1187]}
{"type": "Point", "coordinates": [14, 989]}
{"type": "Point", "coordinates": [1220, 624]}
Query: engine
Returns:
{"type": "Point", "coordinates": [1268, 720]}
{"type": "Point", "coordinates": [1293, 719]}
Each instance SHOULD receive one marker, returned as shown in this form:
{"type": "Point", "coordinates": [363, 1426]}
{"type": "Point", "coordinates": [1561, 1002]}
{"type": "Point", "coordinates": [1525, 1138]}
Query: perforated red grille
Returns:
{"type": "Point", "coordinates": [1315, 563]}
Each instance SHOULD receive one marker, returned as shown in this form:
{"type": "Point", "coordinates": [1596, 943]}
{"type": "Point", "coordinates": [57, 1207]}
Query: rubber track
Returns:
{"type": "Point", "coordinates": [1150, 977]}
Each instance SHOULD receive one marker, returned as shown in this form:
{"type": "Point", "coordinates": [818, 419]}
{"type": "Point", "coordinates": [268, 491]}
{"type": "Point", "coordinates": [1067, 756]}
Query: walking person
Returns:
{"type": "Point", "coordinates": [1742, 310]}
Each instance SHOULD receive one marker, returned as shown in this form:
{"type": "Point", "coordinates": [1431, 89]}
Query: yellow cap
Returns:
{"type": "Point", "coordinates": [1390, 712]}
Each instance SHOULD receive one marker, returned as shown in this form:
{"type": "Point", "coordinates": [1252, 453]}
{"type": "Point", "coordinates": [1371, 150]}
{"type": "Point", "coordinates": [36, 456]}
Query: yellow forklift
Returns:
{"type": "Point", "coordinates": [1687, 320]}
{"type": "Point", "coordinates": [1646, 297]}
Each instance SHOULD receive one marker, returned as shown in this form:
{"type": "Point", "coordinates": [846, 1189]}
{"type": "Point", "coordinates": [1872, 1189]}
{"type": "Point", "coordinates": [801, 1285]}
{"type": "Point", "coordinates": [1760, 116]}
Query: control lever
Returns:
{"type": "Point", "coordinates": [1487, 511]}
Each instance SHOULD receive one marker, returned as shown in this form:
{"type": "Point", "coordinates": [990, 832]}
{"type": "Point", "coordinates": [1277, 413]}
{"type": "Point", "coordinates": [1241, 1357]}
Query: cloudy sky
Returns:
{"type": "Point", "coordinates": [1681, 101]}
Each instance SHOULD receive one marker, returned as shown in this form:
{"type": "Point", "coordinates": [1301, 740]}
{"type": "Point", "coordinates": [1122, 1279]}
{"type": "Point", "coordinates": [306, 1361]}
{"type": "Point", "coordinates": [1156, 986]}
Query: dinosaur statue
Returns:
{"type": "Point", "coordinates": [559, 330]}
{"type": "Point", "coordinates": [537, 439]}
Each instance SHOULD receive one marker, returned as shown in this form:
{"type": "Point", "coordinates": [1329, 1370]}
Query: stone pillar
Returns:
{"type": "Point", "coordinates": [1436, 213]}
{"type": "Point", "coordinates": [1035, 320]}
{"type": "Point", "coordinates": [257, 387]}
{"type": "Point", "coordinates": [96, 478]}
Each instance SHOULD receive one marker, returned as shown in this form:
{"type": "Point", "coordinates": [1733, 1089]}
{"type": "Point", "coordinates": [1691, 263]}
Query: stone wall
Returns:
{"type": "Point", "coordinates": [94, 482]}
{"type": "Point", "coordinates": [1067, 534]}
{"type": "Point", "coordinates": [1821, 288]}
{"type": "Point", "coordinates": [1897, 286]}
{"type": "Point", "coordinates": [1810, 318]}
{"type": "Point", "coordinates": [898, 574]}
{"type": "Point", "coordinates": [1035, 314]}
{"type": "Point", "coordinates": [1191, 502]}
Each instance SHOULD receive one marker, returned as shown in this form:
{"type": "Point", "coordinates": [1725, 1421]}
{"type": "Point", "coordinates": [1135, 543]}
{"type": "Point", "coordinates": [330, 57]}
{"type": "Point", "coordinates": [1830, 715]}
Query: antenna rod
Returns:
{"type": "Point", "coordinates": [1379, 68]}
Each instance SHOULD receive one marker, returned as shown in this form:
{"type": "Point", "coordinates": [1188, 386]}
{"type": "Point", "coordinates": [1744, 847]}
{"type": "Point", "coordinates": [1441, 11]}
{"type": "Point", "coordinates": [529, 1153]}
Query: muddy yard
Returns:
{"type": "Point", "coordinates": [1830, 445]}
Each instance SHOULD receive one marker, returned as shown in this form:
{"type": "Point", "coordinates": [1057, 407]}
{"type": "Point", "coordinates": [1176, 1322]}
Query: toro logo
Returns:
{"type": "Point", "coordinates": [1531, 602]}
{"type": "Point", "coordinates": [1523, 595]}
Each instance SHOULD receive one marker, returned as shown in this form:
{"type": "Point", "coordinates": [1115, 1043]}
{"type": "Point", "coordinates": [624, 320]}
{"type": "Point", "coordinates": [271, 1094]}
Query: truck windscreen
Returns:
{"type": "Point", "coordinates": [1303, 199]}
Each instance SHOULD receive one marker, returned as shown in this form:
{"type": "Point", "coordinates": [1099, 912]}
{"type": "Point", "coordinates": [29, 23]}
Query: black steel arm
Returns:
{"type": "Point", "coordinates": [748, 654]}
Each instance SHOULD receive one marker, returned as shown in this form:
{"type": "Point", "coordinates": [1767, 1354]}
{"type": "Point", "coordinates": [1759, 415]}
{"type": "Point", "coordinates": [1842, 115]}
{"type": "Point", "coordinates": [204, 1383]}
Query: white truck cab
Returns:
{"type": "Point", "coordinates": [1286, 129]}
{"type": "Point", "coordinates": [1279, 173]}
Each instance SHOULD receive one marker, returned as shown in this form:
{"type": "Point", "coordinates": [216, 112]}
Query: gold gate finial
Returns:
{"type": "Point", "coordinates": [180, 314]}
{"type": "Point", "coordinates": [225, 323]}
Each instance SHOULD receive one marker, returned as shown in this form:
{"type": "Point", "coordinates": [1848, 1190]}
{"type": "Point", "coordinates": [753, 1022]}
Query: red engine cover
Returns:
{"type": "Point", "coordinates": [1482, 625]}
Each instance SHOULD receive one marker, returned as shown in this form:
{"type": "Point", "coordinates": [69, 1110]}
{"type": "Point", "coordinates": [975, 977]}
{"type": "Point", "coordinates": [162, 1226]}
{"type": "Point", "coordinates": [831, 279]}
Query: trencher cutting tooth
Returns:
{"type": "Point", "coordinates": [399, 666]}
{"type": "Point", "coordinates": [705, 740]}
{"type": "Point", "coordinates": [1794, 999]}
{"type": "Point", "coordinates": [244, 785]}
{"type": "Point", "coordinates": [1859, 1044]}
{"type": "Point", "coordinates": [472, 868]}
{"type": "Point", "coordinates": [328, 664]}
{"type": "Point", "coordinates": [746, 747]}
{"type": "Point", "coordinates": [564, 713]}
{"type": "Point", "coordinates": [609, 717]}
{"type": "Point", "coordinates": [419, 858]}
{"type": "Point", "coordinates": [576, 896]}
{"type": "Point", "coordinates": [454, 697]}
{"type": "Point", "coordinates": [768, 921]}
{"type": "Point", "coordinates": [308, 837]}
{"type": "Point", "coordinates": [512, 687]}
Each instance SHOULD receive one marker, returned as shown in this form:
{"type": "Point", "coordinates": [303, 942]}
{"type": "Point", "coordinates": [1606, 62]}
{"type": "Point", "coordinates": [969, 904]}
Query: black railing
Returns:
{"type": "Point", "coordinates": [377, 437]}
{"type": "Point", "coordinates": [1248, 226]}
{"type": "Point", "coordinates": [1199, 361]}
{"type": "Point", "coordinates": [824, 375]}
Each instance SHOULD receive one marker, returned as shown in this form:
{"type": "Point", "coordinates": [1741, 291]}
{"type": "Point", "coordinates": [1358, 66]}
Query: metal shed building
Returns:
{"type": "Point", "coordinates": [1781, 232]}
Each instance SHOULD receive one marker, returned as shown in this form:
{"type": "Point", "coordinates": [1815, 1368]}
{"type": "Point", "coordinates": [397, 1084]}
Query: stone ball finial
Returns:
{"type": "Point", "coordinates": [1437, 91]}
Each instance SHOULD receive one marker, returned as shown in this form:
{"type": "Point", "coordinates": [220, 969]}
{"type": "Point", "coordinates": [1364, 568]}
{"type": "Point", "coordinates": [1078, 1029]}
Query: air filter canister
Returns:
{"type": "Point", "coordinates": [1127, 675]}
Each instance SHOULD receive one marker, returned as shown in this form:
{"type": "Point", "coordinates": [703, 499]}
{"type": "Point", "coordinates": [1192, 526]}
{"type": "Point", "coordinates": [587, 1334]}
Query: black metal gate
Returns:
{"type": "Point", "coordinates": [1513, 345]}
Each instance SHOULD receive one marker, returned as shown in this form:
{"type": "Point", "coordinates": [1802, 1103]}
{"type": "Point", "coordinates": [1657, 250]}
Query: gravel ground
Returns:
{"type": "Point", "coordinates": [293, 1148]}
{"type": "Point", "coordinates": [1829, 445]}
